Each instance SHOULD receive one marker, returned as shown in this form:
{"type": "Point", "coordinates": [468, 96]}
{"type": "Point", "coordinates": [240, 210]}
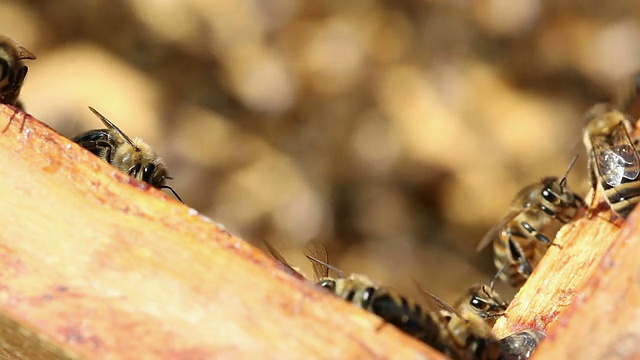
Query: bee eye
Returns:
{"type": "Point", "coordinates": [147, 173]}
{"type": "Point", "coordinates": [478, 303]}
{"type": "Point", "coordinates": [548, 195]}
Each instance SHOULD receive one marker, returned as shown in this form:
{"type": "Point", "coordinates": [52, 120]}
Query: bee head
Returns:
{"type": "Point", "coordinates": [154, 175]}
{"type": "Point", "coordinates": [486, 302]}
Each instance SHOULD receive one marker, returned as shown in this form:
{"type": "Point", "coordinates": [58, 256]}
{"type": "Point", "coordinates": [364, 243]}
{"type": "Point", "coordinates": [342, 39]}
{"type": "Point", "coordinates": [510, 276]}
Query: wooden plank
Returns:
{"type": "Point", "coordinates": [97, 265]}
{"type": "Point", "coordinates": [604, 320]}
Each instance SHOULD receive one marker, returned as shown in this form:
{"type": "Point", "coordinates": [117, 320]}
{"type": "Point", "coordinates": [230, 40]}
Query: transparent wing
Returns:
{"type": "Point", "coordinates": [276, 255]}
{"type": "Point", "coordinates": [432, 298]}
{"type": "Point", "coordinates": [111, 125]}
{"type": "Point", "coordinates": [623, 147]}
{"type": "Point", "coordinates": [494, 232]}
{"type": "Point", "coordinates": [316, 251]}
{"type": "Point", "coordinates": [616, 158]}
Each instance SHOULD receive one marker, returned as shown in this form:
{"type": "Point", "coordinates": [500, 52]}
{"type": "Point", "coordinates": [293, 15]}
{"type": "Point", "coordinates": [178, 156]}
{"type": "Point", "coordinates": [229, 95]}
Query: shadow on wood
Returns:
{"type": "Point", "coordinates": [98, 265]}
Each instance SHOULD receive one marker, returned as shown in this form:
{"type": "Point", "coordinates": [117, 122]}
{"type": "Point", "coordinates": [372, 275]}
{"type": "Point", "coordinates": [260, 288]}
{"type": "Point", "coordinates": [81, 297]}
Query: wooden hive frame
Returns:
{"type": "Point", "coordinates": [97, 265]}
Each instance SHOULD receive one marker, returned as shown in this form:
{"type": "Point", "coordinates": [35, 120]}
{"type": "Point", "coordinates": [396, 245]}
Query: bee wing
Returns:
{"type": "Point", "coordinates": [618, 159]}
{"type": "Point", "coordinates": [111, 125]}
{"type": "Point", "coordinates": [624, 147]}
{"type": "Point", "coordinates": [278, 256]}
{"type": "Point", "coordinates": [429, 296]}
{"type": "Point", "coordinates": [317, 251]}
{"type": "Point", "coordinates": [493, 233]}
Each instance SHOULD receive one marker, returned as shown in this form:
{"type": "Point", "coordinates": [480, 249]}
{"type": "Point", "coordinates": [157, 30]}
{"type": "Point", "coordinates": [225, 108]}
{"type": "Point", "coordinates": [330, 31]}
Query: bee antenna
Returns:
{"type": "Point", "coordinates": [109, 124]}
{"type": "Point", "coordinates": [495, 277]}
{"type": "Point", "coordinates": [173, 191]}
{"type": "Point", "coordinates": [563, 181]}
{"type": "Point", "coordinates": [337, 271]}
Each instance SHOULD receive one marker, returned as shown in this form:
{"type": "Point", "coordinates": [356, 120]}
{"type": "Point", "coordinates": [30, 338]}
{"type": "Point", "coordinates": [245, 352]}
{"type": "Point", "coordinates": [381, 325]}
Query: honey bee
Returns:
{"type": "Point", "coordinates": [482, 301]}
{"type": "Point", "coordinates": [467, 336]}
{"type": "Point", "coordinates": [461, 339]}
{"type": "Point", "coordinates": [536, 214]}
{"type": "Point", "coordinates": [520, 345]}
{"type": "Point", "coordinates": [481, 343]}
{"type": "Point", "coordinates": [614, 163]}
{"type": "Point", "coordinates": [12, 70]}
{"type": "Point", "coordinates": [133, 157]}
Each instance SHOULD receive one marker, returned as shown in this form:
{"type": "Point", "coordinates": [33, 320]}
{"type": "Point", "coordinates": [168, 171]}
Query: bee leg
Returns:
{"type": "Point", "coordinates": [591, 210]}
{"type": "Point", "coordinates": [616, 219]}
{"type": "Point", "coordinates": [556, 245]}
{"type": "Point", "coordinates": [9, 123]}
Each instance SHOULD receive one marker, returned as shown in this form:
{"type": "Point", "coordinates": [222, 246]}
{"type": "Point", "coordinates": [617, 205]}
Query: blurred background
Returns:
{"type": "Point", "coordinates": [395, 132]}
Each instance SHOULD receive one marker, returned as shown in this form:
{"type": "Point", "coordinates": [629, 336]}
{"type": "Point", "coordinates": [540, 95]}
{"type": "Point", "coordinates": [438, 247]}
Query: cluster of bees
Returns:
{"type": "Point", "coordinates": [520, 240]}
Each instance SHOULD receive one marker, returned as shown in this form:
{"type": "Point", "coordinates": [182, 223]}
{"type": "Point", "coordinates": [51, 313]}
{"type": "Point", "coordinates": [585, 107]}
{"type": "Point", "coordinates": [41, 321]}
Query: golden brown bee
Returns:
{"type": "Point", "coordinates": [460, 339]}
{"type": "Point", "coordinates": [482, 301]}
{"type": "Point", "coordinates": [12, 70]}
{"type": "Point", "coordinates": [524, 235]}
{"type": "Point", "coordinates": [466, 336]}
{"type": "Point", "coordinates": [133, 157]}
{"type": "Point", "coordinates": [614, 163]}
{"type": "Point", "coordinates": [472, 330]}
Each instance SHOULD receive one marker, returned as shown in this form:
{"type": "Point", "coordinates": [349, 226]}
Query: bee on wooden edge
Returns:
{"type": "Point", "coordinates": [536, 215]}
{"type": "Point", "coordinates": [614, 164]}
{"type": "Point", "coordinates": [400, 311]}
{"type": "Point", "coordinates": [472, 337]}
{"type": "Point", "coordinates": [133, 157]}
{"type": "Point", "coordinates": [463, 332]}
{"type": "Point", "coordinates": [12, 70]}
{"type": "Point", "coordinates": [482, 301]}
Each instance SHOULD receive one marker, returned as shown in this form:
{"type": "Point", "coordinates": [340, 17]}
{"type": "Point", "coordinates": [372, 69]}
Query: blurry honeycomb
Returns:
{"type": "Point", "coordinates": [394, 132]}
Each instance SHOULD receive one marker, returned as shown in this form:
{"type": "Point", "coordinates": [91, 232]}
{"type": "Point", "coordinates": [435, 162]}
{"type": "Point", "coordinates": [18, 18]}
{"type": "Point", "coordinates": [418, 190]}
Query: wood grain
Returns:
{"type": "Point", "coordinates": [97, 265]}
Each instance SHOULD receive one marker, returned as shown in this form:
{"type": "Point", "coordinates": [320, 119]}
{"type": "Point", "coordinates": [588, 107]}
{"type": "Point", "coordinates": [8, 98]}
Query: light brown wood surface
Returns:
{"type": "Point", "coordinates": [96, 265]}
{"type": "Point", "coordinates": [603, 321]}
